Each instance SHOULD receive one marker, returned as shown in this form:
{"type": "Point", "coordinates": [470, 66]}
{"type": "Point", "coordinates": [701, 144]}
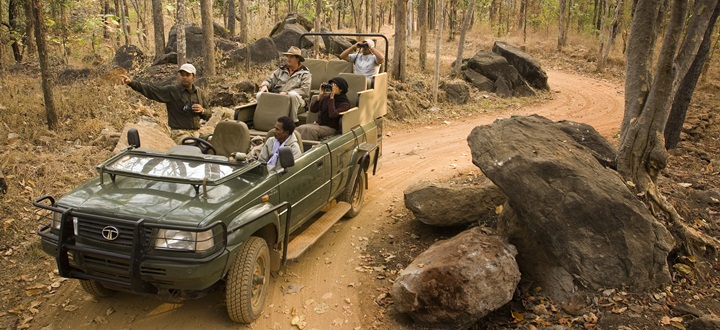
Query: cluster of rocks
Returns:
{"type": "Point", "coordinates": [506, 70]}
{"type": "Point", "coordinates": [565, 221]}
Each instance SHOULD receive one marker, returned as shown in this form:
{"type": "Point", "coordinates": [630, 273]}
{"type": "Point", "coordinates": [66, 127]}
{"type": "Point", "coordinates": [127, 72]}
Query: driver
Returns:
{"type": "Point", "coordinates": [284, 137]}
{"type": "Point", "coordinates": [186, 103]}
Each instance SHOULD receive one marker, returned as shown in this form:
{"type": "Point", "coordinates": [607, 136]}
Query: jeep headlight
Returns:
{"type": "Point", "coordinates": [171, 239]}
{"type": "Point", "coordinates": [56, 220]}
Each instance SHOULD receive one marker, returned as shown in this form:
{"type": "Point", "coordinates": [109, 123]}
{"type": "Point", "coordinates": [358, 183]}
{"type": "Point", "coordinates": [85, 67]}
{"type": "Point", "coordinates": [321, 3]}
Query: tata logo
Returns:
{"type": "Point", "coordinates": [110, 233]}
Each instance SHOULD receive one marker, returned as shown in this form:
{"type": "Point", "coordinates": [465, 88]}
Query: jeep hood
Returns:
{"type": "Point", "coordinates": [155, 201]}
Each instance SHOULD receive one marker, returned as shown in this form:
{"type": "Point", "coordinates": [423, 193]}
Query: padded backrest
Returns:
{"type": "Point", "coordinates": [270, 107]}
{"type": "Point", "coordinates": [350, 119]}
{"type": "Point", "coordinates": [231, 136]}
{"type": "Point", "coordinates": [317, 70]}
{"type": "Point", "coordinates": [380, 85]}
{"type": "Point", "coordinates": [356, 84]}
{"type": "Point", "coordinates": [335, 67]}
{"type": "Point", "coordinates": [312, 116]}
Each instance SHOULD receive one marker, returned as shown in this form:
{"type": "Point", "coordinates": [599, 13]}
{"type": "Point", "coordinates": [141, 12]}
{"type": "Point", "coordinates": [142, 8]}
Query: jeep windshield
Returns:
{"type": "Point", "coordinates": [171, 168]}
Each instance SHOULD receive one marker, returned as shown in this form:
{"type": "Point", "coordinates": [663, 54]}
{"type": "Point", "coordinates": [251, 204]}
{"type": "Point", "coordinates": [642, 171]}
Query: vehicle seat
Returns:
{"type": "Point", "coordinates": [229, 137]}
{"type": "Point", "coordinates": [356, 84]}
{"type": "Point", "coordinates": [270, 107]}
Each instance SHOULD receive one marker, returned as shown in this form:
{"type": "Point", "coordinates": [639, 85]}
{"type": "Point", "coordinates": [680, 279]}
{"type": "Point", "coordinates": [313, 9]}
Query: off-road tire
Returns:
{"type": "Point", "coordinates": [247, 281]}
{"type": "Point", "coordinates": [95, 289]}
{"type": "Point", "coordinates": [354, 194]}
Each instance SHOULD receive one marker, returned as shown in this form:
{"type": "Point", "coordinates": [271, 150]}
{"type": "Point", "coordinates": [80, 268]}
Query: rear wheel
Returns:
{"type": "Point", "coordinates": [95, 289]}
{"type": "Point", "coordinates": [354, 194]}
{"type": "Point", "coordinates": [248, 280]}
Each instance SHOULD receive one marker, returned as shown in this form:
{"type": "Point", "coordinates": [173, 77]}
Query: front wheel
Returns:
{"type": "Point", "coordinates": [354, 194]}
{"type": "Point", "coordinates": [96, 289]}
{"type": "Point", "coordinates": [248, 280]}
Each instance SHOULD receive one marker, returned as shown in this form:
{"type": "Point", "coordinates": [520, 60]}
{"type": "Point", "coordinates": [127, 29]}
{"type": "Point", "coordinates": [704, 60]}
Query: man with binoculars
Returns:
{"type": "Point", "coordinates": [366, 59]}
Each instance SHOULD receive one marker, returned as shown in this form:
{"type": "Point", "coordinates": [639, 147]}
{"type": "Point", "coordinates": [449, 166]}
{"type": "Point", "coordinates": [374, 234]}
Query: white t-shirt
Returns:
{"type": "Point", "coordinates": [364, 64]}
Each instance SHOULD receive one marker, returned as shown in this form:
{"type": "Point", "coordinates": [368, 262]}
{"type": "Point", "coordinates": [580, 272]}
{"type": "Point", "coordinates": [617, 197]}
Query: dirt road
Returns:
{"type": "Point", "coordinates": [324, 289]}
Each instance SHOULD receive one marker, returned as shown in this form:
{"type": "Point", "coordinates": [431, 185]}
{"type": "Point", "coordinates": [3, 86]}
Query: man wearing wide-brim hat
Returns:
{"type": "Point", "coordinates": [292, 79]}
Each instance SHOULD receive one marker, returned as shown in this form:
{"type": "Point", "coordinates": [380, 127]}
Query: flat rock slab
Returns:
{"type": "Point", "coordinates": [527, 66]}
{"type": "Point", "coordinates": [152, 137]}
{"type": "Point", "coordinates": [446, 204]}
{"type": "Point", "coordinates": [574, 222]}
{"type": "Point", "coordinates": [457, 281]}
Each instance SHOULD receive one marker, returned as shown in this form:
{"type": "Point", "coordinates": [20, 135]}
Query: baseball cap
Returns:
{"type": "Point", "coordinates": [189, 68]}
{"type": "Point", "coordinates": [370, 42]}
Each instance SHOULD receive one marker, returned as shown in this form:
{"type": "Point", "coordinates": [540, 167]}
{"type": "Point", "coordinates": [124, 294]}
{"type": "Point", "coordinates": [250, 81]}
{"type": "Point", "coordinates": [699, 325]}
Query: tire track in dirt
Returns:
{"type": "Point", "coordinates": [331, 293]}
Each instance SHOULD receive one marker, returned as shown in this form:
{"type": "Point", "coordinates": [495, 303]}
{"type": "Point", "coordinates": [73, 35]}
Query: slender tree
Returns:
{"type": "Point", "coordinates": [562, 31]}
{"type": "Point", "coordinates": [180, 32]}
{"type": "Point", "coordinates": [158, 28]}
{"type": "Point", "coordinates": [29, 28]}
{"type": "Point", "coordinates": [399, 61]}
{"type": "Point", "coordinates": [318, 11]}
{"type": "Point", "coordinates": [648, 99]}
{"type": "Point", "coordinates": [231, 17]}
{"type": "Point", "coordinates": [208, 37]}
{"type": "Point", "coordinates": [463, 32]}
{"type": "Point", "coordinates": [123, 21]}
{"type": "Point", "coordinates": [422, 30]}
{"type": "Point", "coordinates": [684, 93]}
{"type": "Point", "coordinates": [438, 40]}
{"type": "Point", "coordinates": [46, 76]}
{"type": "Point", "coordinates": [243, 19]}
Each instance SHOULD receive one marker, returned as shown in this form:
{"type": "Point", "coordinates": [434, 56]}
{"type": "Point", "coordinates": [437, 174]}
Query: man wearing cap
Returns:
{"type": "Point", "coordinates": [329, 105]}
{"type": "Point", "coordinates": [292, 79]}
{"type": "Point", "coordinates": [366, 59]}
{"type": "Point", "coordinates": [186, 104]}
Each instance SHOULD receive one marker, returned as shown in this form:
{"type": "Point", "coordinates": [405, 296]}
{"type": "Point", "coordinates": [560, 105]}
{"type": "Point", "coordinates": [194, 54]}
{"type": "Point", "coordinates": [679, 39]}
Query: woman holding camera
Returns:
{"type": "Point", "coordinates": [366, 60]}
{"type": "Point", "coordinates": [329, 104]}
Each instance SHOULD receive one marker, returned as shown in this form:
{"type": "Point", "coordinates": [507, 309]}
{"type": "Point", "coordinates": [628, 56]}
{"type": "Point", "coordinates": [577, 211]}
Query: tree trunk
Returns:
{"type": "Point", "coordinates": [451, 12]}
{"type": "Point", "coordinates": [14, 29]}
{"type": "Point", "coordinates": [562, 31]}
{"type": "Point", "coordinates": [208, 37]}
{"type": "Point", "coordinates": [642, 151]}
{"type": "Point", "coordinates": [47, 84]}
{"type": "Point", "coordinates": [318, 11]}
{"type": "Point", "coordinates": [409, 21]}
{"type": "Point", "coordinates": [29, 28]}
{"type": "Point", "coordinates": [438, 40]}
{"type": "Point", "coordinates": [231, 15]}
{"type": "Point", "coordinates": [158, 28]}
{"type": "Point", "coordinates": [422, 30]}
{"type": "Point", "coordinates": [374, 23]}
{"type": "Point", "coordinates": [106, 12]}
{"type": "Point", "coordinates": [123, 22]}
{"type": "Point", "coordinates": [685, 90]}
{"type": "Point", "coordinates": [180, 32]}
{"type": "Point", "coordinates": [243, 19]}
{"type": "Point", "coordinates": [399, 60]}
{"type": "Point", "coordinates": [463, 32]}
{"type": "Point", "coordinates": [141, 26]}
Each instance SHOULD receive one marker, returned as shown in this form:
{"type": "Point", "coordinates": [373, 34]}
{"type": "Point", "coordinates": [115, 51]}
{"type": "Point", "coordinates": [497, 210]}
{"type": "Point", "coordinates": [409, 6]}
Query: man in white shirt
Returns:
{"type": "Point", "coordinates": [284, 137]}
{"type": "Point", "coordinates": [366, 58]}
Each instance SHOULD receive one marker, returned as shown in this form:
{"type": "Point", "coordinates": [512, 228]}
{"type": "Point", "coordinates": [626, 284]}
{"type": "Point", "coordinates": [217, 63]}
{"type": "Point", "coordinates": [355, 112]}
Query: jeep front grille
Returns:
{"type": "Point", "coordinates": [93, 230]}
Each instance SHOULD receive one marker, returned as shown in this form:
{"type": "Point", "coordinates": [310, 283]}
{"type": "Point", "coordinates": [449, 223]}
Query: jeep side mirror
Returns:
{"type": "Point", "coordinates": [286, 157]}
{"type": "Point", "coordinates": [133, 138]}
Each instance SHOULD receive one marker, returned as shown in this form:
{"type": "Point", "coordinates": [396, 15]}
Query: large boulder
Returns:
{"type": "Point", "coordinates": [336, 44]}
{"type": "Point", "coordinates": [705, 322]}
{"type": "Point", "coordinates": [261, 51]}
{"type": "Point", "coordinates": [289, 36]}
{"type": "Point", "coordinates": [448, 205]}
{"type": "Point", "coordinates": [478, 80]}
{"type": "Point", "coordinates": [526, 65]}
{"type": "Point", "coordinates": [152, 136]}
{"type": "Point", "coordinates": [456, 91]}
{"type": "Point", "coordinates": [70, 75]}
{"type": "Point", "coordinates": [494, 67]}
{"type": "Point", "coordinates": [193, 41]}
{"type": "Point", "coordinates": [457, 281]}
{"type": "Point", "coordinates": [128, 57]}
{"type": "Point", "coordinates": [574, 222]}
{"type": "Point", "coordinates": [588, 137]}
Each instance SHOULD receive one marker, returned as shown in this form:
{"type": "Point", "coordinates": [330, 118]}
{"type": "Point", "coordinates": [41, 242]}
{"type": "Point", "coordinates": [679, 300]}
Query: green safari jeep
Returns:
{"type": "Point", "coordinates": [181, 223]}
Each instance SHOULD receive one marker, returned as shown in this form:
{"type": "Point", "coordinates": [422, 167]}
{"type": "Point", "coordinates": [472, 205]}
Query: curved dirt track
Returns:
{"type": "Point", "coordinates": [325, 289]}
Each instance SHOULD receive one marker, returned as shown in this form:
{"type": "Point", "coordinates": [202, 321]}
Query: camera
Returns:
{"type": "Point", "coordinates": [327, 87]}
{"type": "Point", "coordinates": [188, 107]}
